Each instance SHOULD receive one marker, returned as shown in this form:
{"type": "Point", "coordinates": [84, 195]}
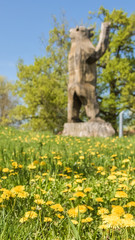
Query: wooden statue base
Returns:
{"type": "Point", "coordinates": [88, 129]}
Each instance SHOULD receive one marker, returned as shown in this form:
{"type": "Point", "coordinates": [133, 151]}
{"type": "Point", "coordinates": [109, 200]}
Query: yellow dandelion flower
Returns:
{"type": "Point", "coordinates": [81, 208]}
{"type": "Point", "coordinates": [68, 177]}
{"type": "Point", "coordinates": [111, 177]}
{"type": "Point", "coordinates": [92, 164]}
{"type": "Point", "coordinates": [5, 170]}
{"type": "Point", "coordinates": [113, 168]}
{"type": "Point", "coordinates": [23, 194]}
{"type": "Point", "coordinates": [99, 199]}
{"type": "Point", "coordinates": [49, 203]}
{"type": "Point", "coordinates": [88, 189]}
{"type": "Point", "coordinates": [132, 183]}
{"type": "Point", "coordinates": [86, 220]}
{"type": "Point", "coordinates": [12, 174]}
{"type": "Point", "coordinates": [121, 194]}
{"type": "Point", "coordinates": [44, 174]}
{"type": "Point", "coordinates": [79, 194]}
{"type": "Point", "coordinates": [2, 206]}
{"type": "Point", "coordinates": [81, 157]}
{"type": "Point", "coordinates": [47, 219]}
{"type": "Point", "coordinates": [100, 168]}
{"type": "Point", "coordinates": [31, 166]}
{"type": "Point", "coordinates": [84, 179]}
{"type": "Point", "coordinates": [20, 166]}
{"type": "Point", "coordinates": [37, 177]}
{"type": "Point", "coordinates": [39, 201]}
{"type": "Point", "coordinates": [122, 179]}
{"type": "Point", "coordinates": [66, 190]}
{"type": "Point", "coordinates": [77, 176]}
{"type": "Point", "coordinates": [18, 189]}
{"type": "Point", "coordinates": [36, 162]}
{"type": "Point", "coordinates": [51, 179]}
{"type": "Point", "coordinates": [68, 169]}
{"type": "Point", "coordinates": [114, 155]}
{"type": "Point", "coordinates": [71, 199]}
{"type": "Point", "coordinates": [59, 163]}
{"type": "Point", "coordinates": [117, 210]}
{"type": "Point", "coordinates": [57, 207]}
{"type": "Point", "coordinates": [126, 161]}
{"type": "Point", "coordinates": [7, 194]}
{"type": "Point", "coordinates": [4, 177]}
{"type": "Point", "coordinates": [93, 153]}
{"type": "Point", "coordinates": [15, 164]}
{"type": "Point", "coordinates": [127, 223]}
{"type": "Point", "coordinates": [90, 208]}
{"type": "Point", "coordinates": [30, 214]}
{"type": "Point", "coordinates": [74, 222]}
{"type": "Point", "coordinates": [43, 191]}
{"type": "Point", "coordinates": [3, 190]}
{"type": "Point", "coordinates": [79, 181]}
{"type": "Point", "coordinates": [23, 219]}
{"type": "Point", "coordinates": [123, 186]}
{"type": "Point", "coordinates": [103, 227]}
{"type": "Point", "coordinates": [60, 216]}
{"type": "Point", "coordinates": [128, 216]}
{"type": "Point", "coordinates": [72, 212]}
{"type": "Point", "coordinates": [112, 220]}
{"type": "Point", "coordinates": [113, 199]}
{"type": "Point", "coordinates": [131, 204]}
{"type": "Point", "coordinates": [43, 163]}
{"type": "Point", "coordinates": [36, 196]}
{"type": "Point", "coordinates": [103, 173]}
{"type": "Point", "coordinates": [78, 189]}
{"type": "Point", "coordinates": [102, 211]}
{"type": "Point", "coordinates": [33, 208]}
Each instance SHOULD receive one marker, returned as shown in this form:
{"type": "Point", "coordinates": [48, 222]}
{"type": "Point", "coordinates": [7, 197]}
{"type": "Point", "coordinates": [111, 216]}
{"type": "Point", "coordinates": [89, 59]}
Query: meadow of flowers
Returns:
{"type": "Point", "coordinates": [55, 187]}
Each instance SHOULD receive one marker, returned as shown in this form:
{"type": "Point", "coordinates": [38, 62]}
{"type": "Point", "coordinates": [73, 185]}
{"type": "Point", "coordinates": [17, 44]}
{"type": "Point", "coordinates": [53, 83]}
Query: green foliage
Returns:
{"type": "Point", "coordinates": [42, 86]}
{"type": "Point", "coordinates": [116, 75]}
{"type": "Point", "coordinates": [7, 103]}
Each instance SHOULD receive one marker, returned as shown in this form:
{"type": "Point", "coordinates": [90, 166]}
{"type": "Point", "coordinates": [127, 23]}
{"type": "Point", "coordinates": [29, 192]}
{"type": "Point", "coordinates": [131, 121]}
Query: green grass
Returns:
{"type": "Point", "coordinates": [57, 161]}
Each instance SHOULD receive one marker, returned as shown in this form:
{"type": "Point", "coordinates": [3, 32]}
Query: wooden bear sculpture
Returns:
{"type": "Point", "coordinates": [82, 71]}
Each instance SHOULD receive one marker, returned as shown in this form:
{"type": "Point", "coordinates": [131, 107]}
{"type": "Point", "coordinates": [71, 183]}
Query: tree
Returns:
{"type": "Point", "coordinates": [42, 86]}
{"type": "Point", "coordinates": [7, 102]}
{"type": "Point", "coordinates": [116, 69]}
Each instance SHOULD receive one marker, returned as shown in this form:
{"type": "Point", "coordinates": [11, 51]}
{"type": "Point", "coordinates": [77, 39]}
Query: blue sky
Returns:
{"type": "Point", "coordinates": [24, 22]}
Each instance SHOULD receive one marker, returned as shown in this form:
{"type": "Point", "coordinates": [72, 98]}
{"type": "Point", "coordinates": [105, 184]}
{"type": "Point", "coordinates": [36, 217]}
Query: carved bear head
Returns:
{"type": "Point", "coordinates": [80, 32]}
